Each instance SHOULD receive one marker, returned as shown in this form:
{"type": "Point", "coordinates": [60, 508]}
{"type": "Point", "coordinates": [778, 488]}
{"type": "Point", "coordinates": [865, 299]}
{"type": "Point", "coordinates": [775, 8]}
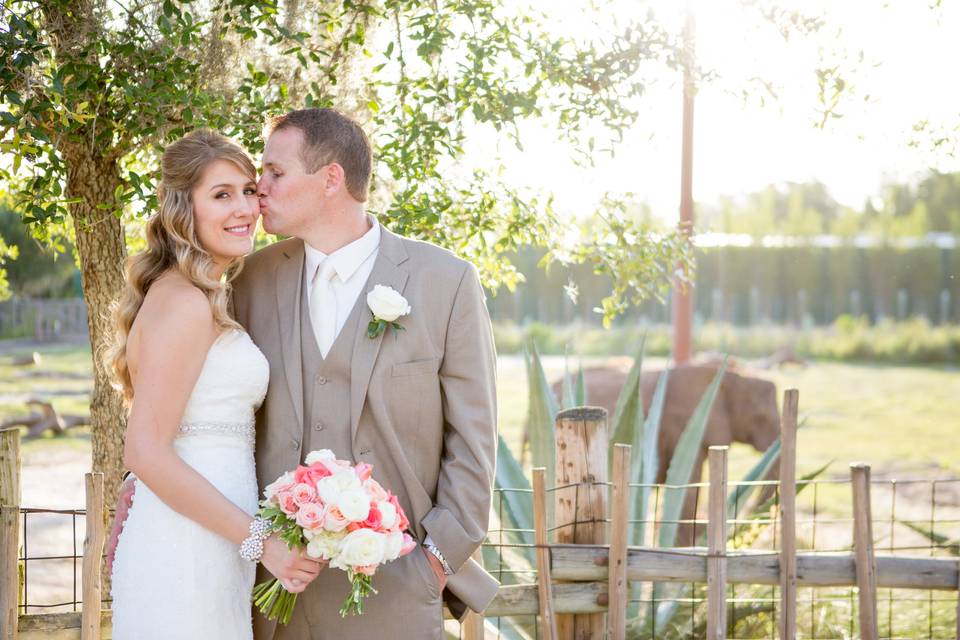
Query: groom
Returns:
{"type": "Point", "coordinates": [418, 404]}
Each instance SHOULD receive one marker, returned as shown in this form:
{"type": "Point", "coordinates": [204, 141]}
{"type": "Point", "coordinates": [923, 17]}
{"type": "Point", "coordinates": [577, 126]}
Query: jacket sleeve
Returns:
{"type": "Point", "coordinates": [458, 522]}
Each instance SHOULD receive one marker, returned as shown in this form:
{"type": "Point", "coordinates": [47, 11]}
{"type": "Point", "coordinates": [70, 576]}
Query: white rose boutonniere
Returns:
{"type": "Point", "coordinates": [387, 305]}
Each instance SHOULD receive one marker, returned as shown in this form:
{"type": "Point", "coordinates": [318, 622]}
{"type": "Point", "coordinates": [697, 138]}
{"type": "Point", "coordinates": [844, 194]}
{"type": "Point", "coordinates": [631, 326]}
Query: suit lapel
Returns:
{"type": "Point", "coordinates": [386, 271]}
{"type": "Point", "coordinates": [289, 278]}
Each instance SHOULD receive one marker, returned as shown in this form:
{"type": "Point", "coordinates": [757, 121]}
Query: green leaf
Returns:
{"type": "Point", "coordinates": [515, 501]}
{"type": "Point", "coordinates": [684, 458]}
{"type": "Point", "coordinates": [541, 418]}
{"type": "Point", "coordinates": [569, 401]}
{"type": "Point", "coordinates": [740, 496]}
{"type": "Point", "coordinates": [580, 392]}
{"type": "Point", "coordinates": [643, 463]}
{"type": "Point", "coordinates": [628, 396]}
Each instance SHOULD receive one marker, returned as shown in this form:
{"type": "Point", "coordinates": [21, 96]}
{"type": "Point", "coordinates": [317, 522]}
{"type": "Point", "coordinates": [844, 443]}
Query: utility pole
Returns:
{"type": "Point", "coordinates": [683, 294]}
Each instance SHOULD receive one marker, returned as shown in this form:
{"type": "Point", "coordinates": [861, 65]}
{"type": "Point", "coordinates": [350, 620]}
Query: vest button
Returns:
{"type": "Point", "coordinates": [321, 380]}
{"type": "Point", "coordinates": [318, 426]}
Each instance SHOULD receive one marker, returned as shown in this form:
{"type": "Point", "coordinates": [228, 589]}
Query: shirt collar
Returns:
{"type": "Point", "coordinates": [347, 259]}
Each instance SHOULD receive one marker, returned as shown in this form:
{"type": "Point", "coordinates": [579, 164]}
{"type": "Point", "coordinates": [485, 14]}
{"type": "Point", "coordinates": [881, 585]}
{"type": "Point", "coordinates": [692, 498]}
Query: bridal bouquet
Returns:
{"type": "Point", "coordinates": [340, 514]}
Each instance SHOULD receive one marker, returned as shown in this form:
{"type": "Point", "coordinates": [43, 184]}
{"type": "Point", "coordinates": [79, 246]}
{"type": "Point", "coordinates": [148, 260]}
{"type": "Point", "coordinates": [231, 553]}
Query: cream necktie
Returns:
{"type": "Point", "coordinates": [323, 307]}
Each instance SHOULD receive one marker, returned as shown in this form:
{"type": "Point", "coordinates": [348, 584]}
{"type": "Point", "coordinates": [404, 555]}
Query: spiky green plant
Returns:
{"type": "Point", "coordinates": [629, 426]}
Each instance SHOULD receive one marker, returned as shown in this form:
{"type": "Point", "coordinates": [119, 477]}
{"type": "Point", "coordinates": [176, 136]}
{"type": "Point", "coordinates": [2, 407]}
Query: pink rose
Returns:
{"type": "Point", "coordinates": [303, 493]}
{"type": "Point", "coordinates": [334, 520]}
{"type": "Point", "coordinates": [404, 523]}
{"type": "Point", "coordinates": [287, 502]}
{"type": "Point", "coordinates": [364, 471]}
{"type": "Point", "coordinates": [320, 470]}
{"type": "Point", "coordinates": [376, 491]}
{"type": "Point", "coordinates": [409, 544]}
{"type": "Point", "coordinates": [310, 516]}
{"type": "Point", "coordinates": [368, 569]}
{"type": "Point", "coordinates": [312, 474]}
{"type": "Point", "coordinates": [374, 519]}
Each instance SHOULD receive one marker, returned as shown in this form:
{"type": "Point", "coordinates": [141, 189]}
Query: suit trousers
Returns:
{"type": "Point", "coordinates": [407, 605]}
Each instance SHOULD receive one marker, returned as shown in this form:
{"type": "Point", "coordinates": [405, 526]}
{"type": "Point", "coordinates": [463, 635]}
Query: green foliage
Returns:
{"type": "Point", "coordinates": [900, 210]}
{"type": "Point", "coordinates": [850, 339]}
{"type": "Point", "coordinates": [34, 268]}
{"type": "Point", "coordinates": [123, 79]}
{"type": "Point", "coordinates": [6, 253]}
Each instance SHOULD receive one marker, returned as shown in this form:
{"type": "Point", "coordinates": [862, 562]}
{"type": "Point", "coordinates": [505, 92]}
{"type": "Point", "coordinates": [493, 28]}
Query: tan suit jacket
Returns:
{"type": "Point", "coordinates": [422, 401]}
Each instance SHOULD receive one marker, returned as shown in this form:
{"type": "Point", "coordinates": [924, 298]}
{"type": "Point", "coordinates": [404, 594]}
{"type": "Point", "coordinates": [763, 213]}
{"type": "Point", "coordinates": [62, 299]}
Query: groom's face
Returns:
{"type": "Point", "coordinates": [290, 198]}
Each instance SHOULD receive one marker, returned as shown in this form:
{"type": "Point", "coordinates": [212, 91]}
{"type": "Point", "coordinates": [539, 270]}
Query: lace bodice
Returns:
{"type": "Point", "coordinates": [230, 388]}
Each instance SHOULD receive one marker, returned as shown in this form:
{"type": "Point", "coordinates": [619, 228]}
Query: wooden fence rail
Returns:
{"type": "Point", "coordinates": [582, 578]}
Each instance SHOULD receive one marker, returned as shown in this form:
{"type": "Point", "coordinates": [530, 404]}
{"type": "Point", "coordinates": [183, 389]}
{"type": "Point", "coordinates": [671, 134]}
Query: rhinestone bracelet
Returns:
{"type": "Point", "coordinates": [252, 547]}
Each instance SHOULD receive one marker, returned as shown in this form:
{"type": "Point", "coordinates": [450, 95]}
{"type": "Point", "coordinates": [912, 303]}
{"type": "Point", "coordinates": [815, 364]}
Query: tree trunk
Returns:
{"type": "Point", "coordinates": [102, 251]}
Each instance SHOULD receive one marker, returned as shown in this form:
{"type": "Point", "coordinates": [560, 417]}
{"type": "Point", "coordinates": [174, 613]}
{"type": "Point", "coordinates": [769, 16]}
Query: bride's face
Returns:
{"type": "Point", "coordinates": [225, 211]}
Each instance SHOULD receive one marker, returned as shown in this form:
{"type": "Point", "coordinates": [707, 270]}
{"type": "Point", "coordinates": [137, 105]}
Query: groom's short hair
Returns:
{"type": "Point", "coordinates": [329, 136]}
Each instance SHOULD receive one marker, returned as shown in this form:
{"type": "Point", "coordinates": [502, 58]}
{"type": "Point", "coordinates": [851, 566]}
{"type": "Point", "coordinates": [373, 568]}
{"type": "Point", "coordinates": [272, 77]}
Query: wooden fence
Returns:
{"type": "Point", "coordinates": [43, 320]}
{"type": "Point", "coordinates": [583, 576]}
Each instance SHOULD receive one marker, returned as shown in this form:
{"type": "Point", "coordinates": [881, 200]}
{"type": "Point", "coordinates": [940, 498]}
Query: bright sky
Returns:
{"type": "Point", "coordinates": [741, 146]}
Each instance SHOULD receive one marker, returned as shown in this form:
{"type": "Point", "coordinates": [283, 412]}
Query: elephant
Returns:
{"type": "Point", "coordinates": [745, 410]}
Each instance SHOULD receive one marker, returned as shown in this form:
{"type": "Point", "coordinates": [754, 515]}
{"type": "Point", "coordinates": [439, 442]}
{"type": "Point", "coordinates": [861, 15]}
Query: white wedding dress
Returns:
{"type": "Point", "coordinates": [172, 578]}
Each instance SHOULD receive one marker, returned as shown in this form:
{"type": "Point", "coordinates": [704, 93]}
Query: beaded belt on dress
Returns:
{"type": "Point", "coordinates": [245, 430]}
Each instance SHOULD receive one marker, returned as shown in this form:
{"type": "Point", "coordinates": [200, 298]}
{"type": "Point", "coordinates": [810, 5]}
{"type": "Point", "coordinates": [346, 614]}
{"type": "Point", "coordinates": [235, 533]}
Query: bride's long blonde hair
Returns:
{"type": "Point", "coordinates": [172, 243]}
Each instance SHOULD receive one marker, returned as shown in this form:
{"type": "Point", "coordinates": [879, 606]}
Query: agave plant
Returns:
{"type": "Point", "coordinates": [629, 426]}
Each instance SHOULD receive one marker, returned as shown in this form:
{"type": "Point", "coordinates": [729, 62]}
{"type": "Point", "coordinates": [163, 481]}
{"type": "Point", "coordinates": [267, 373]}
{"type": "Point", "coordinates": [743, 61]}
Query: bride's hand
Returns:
{"type": "Point", "coordinates": [292, 567]}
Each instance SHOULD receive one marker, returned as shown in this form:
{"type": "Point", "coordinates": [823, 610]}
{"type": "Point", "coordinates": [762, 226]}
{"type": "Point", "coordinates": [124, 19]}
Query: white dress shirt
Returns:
{"type": "Point", "coordinates": [353, 264]}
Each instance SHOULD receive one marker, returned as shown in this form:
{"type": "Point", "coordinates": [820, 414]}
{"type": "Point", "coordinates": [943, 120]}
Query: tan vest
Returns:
{"type": "Point", "coordinates": [326, 381]}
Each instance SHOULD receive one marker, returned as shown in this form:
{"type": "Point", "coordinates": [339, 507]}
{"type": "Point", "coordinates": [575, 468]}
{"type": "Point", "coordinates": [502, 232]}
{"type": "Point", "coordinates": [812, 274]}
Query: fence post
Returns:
{"type": "Point", "coordinates": [472, 626]}
{"type": "Point", "coordinates": [548, 621]}
{"type": "Point", "coordinates": [866, 562]}
{"type": "Point", "coordinates": [92, 556]}
{"type": "Point", "coordinates": [619, 513]}
{"type": "Point", "coordinates": [581, 500]}
{"type": "Point", "coordinates": [717, 546]}
{"type": "Point", "coordinates": [9, 532]}
{"type": "Point", "coordinates": [788, 515]}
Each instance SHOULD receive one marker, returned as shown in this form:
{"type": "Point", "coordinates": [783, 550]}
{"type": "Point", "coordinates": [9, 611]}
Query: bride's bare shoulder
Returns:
{"type": "Point", "coordinates": [174, 306]}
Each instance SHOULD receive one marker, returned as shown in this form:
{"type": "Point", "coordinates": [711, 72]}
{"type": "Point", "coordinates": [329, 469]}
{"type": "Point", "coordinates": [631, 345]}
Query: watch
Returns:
{"type": "Point", "coordinates": [435, 551]}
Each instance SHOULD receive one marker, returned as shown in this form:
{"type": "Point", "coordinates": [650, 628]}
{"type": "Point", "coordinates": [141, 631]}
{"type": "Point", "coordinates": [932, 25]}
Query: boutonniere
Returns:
{"type": "Point", "coordinates": [387, 305]}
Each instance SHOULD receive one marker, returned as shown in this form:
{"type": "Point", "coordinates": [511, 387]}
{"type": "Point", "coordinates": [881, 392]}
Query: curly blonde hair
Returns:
{"type": "Point", "coordinates": [172, 243]}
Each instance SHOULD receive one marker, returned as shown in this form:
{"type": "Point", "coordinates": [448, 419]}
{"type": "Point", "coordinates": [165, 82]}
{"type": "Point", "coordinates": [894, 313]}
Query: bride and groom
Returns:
{"type": "Point", "coordinates": [231, 385]}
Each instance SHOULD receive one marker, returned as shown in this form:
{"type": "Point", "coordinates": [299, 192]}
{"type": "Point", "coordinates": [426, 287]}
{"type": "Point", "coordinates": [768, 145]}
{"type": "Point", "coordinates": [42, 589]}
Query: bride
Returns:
{"type": "Point", "coordinates": [185, 561]}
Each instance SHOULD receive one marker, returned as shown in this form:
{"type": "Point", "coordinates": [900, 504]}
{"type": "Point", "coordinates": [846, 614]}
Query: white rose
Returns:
{"type": "Point", "coordinates": [359, 548]}
{"type": "Point", "coordinates": [324, 545]}
{"type": "Point", "coordinates": [354, 505]}
{"type": "Point", "coordinates": [286, 480]}
{"type": "Point", "coordinates": [330, 488]}
{"type": "Point", "coordinates": [388, 514]}
{"type": "Point", "coordinates": [392, 545]}
{"type": "Point", "coordinates": [322, 455]}
{"type": "Point", "coordinates": [387, 304]}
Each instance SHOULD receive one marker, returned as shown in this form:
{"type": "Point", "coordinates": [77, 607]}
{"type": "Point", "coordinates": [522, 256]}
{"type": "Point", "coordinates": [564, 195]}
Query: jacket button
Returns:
{"type": "Point", "coordinates": [295, 444]}
{"type": "Point", "coordinates": [318, 426]}
{"type": "Point", "coordinates": [321, 380]}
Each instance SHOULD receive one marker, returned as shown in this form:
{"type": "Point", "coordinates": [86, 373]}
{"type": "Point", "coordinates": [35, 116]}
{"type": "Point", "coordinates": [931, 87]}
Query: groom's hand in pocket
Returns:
{"type": "Point", "coordinates": [292, 567]}
{"type": "Point", "coordinates": [438, 572]}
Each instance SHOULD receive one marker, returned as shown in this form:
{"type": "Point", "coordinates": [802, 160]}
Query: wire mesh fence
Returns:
{"type": "Point", "coordinates": [915, 518]}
